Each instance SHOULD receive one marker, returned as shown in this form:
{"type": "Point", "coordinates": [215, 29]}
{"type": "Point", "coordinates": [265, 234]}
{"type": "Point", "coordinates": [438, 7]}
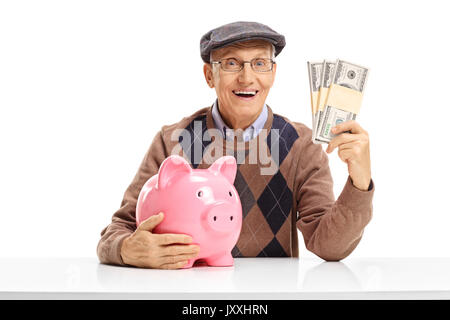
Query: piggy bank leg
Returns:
{"type": "Point", "coordinates": [223, 260]}
{"type": "Point", "coordinates": [189, 264]}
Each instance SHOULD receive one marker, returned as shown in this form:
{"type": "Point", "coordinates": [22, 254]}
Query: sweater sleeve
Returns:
{"type": "Point", "coordinates": [331, 229]}
{"type": "Point", "coordinates": [123, 221]}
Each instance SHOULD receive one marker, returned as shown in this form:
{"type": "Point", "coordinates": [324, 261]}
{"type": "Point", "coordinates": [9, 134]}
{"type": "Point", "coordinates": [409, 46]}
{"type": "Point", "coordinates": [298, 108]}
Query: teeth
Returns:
{"type": "Point", "coordinates": [245, 92]}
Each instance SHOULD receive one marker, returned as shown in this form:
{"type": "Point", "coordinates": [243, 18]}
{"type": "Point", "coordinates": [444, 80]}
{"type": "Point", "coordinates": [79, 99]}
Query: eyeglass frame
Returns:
{"type": "Point", "coordinates": [241, 63]}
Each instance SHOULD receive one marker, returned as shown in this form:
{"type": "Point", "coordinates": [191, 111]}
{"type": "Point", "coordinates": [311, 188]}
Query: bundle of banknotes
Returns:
{"type": "Point", "coordinates": [336, 88]}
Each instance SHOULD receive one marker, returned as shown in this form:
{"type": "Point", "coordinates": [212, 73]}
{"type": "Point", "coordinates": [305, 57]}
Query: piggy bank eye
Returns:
{"type": "Point", "coordinates": [229, 192]}
{"type": "Point", "coordinates": [200, 194]}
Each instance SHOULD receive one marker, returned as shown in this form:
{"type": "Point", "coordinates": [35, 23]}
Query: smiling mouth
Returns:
{"type": "Point", "coordinates": [245, 94]}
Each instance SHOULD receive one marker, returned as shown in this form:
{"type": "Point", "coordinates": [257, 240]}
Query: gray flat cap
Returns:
{"type": "Point", "coordinates": [238, 32]}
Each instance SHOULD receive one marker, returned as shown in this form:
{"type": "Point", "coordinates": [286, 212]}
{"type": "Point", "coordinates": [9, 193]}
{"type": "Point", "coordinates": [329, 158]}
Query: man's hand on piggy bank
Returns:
{"type": "Point", "coordinates": [160, 251]}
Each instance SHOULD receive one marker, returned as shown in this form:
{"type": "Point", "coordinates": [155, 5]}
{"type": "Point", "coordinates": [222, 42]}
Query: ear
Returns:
{"type": "Point", "coordinates": [208, 72]}
{"type": "Point", "coordinates": [172, 167]}
{"type": "Point", "coordinates": [225, 166]}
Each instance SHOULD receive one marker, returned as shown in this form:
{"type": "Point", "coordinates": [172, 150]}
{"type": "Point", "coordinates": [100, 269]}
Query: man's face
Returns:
{"type": "Point", "coordinates": [238, 110]}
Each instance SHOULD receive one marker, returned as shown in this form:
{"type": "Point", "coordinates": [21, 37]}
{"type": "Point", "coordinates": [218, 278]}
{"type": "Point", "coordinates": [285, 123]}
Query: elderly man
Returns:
{"type": "Point", "coordinates": [298, 193]}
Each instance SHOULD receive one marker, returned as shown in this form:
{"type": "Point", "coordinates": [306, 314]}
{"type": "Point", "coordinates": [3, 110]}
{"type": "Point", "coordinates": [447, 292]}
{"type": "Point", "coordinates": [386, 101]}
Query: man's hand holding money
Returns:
{"type": "Point", "coordinates": [353, 149]}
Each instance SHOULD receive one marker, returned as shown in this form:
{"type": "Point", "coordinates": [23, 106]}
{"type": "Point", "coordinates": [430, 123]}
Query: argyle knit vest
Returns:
{"type": "Point", "coordinates": [265, 186]}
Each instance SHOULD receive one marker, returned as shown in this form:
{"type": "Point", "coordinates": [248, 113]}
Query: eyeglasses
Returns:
{"type": "Point", "coordinates": [235, 65]}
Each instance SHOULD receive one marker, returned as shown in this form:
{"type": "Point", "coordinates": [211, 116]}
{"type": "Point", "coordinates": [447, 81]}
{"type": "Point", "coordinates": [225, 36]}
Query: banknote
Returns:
{"type": "Point", "coordinates": [325, 81]}
{"type": "Point", "coordinates": [348, 75]}
{"type": "Point", "coordinates": [314, 73]}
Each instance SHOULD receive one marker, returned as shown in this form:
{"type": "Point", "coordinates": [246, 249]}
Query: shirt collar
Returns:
{"type": "Point", "coordinates": [251, 132]}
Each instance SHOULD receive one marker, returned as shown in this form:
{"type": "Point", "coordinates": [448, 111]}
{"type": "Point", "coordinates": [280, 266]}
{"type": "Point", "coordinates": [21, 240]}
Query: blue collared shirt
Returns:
{"type": "Point", "coordinates": [249, 133]}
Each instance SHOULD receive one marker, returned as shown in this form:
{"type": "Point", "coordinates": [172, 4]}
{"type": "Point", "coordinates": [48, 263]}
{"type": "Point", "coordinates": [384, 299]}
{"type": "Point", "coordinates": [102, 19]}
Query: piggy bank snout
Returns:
{"type": "Point", "coordinates": [223, 217]}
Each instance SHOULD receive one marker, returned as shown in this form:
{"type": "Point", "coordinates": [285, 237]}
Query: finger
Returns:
{"type": "Point", "coordinates": [350, 125]}
{"type": "Point", "coordinates": [174, 250]}
{"type": "Point", "coordinates": [349, 145]}
{"type": "Point", "coordinates": [175, 259]}
{"type": "Point", "coordinates": [150, 223]}
{"type": "Point", "coordinates": [173, 266]}
{"type": "Point", "coordinates": [171, 238]}
{"type": "Point", "coordinates": [340, 139]}
{"type": "Point", "coordinates": [345, 155]}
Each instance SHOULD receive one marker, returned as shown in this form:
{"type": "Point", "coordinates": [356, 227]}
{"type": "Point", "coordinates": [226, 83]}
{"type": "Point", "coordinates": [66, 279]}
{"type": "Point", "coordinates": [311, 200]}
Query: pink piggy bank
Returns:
{"type": "Point", "coordinates": [202, 203]}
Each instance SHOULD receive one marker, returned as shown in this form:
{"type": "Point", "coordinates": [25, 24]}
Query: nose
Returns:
{"type": "Point", "coordinates": [246, 74]}
{"type": "Point", "coordinates": [222, 217]}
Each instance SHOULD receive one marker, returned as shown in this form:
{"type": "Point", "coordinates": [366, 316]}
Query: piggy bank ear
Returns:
{"type": "Point", "coordinates": [171, 168]}
{"type": "Point", "coordinates": [225, 166]}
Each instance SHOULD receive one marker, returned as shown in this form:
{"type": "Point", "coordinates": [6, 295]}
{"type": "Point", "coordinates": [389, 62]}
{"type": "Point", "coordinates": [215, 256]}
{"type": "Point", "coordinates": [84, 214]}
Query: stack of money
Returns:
{"type": "Point", "coordinates": [336, 93]}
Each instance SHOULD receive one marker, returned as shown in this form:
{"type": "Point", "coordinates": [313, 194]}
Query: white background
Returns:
{"type": "Point", "coordinates": [85, 85]}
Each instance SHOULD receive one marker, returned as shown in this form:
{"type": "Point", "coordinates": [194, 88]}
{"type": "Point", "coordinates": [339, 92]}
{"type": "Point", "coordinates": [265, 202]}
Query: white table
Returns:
{"type": "Point", "coordinates": [249, 279]}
